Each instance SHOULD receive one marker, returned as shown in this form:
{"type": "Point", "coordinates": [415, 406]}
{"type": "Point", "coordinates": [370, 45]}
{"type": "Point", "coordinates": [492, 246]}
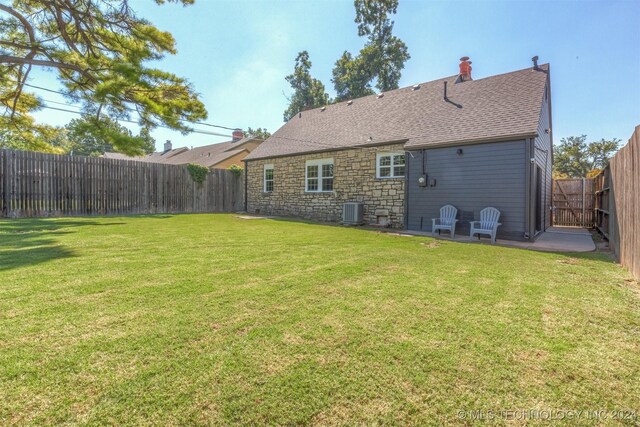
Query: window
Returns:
{"type": "Point", "coordinates": [268, 178]}
{"type": "Point", "coordinates": [390, 165]}
{"type": "Point", "coordinates": [319, 175]}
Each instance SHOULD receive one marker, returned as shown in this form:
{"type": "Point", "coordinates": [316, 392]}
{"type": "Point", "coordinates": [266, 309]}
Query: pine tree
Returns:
{"type": "Point", "coordinates": [308, 92]}
{"type": "Point", "coordinates": [100, 51]}
{"type": "Point", "coordinates": [381, 59]}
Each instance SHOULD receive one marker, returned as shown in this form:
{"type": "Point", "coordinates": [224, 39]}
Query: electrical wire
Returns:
{"type": "Point", "coordinates": [324, 144]}
{"type": "Point", "coordinates": [307, 141]}
{"type": "Point", "coordinates": [130, 109]}
{"type": "Point", "coordinates": [129, 121]}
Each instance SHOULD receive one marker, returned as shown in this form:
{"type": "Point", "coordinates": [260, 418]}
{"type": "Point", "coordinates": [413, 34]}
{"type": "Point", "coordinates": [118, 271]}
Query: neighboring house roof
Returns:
{"type": "Point", "coordinates": [493, 108]}
{"type": "Point", "coordinates": [207, 155]}
{"type": "Point", "coordinates": [157, 157]}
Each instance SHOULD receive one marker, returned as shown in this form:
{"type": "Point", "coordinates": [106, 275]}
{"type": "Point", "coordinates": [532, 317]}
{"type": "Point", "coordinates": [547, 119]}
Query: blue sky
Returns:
{"type": "Point", "coordinates": [237, 53]}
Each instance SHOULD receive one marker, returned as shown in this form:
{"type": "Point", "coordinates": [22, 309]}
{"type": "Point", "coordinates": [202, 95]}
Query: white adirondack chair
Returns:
{"type": "Point", "coordinates": [447, 220]}
{"type": "Point", "coordinates": [488, 223]}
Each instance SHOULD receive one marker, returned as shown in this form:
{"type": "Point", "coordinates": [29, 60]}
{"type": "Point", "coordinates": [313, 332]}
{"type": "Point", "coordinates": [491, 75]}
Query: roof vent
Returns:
{"type": "Point", "coordinates": [416, 87]}
{"type": "Point", "coordinates": [323, 108]}
{"type": "Point", "coordinates": [535, 63]}
{"type": "Point", "coordinates": [349, 102]}
{"type": "Point", "coordinates": [380, 95]}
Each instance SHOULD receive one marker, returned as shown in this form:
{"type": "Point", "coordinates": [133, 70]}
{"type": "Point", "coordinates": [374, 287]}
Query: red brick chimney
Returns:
{"type": "Point", "coordinates": [237, 135]}
{"type": "Point", "coordinates": [465, 69]}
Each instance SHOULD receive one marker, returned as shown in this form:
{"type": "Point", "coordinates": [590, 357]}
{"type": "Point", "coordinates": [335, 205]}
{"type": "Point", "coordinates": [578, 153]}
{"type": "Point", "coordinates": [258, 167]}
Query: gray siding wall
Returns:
{"type": "Point", "coordinates": [491, 174]}
{"type": "Point", "coordinates": [543, 156]}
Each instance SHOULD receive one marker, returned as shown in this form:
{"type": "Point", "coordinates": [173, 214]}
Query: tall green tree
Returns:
{"type": "Point", "coordinates": [20, 130]}
{"type": "Point", "coordinates": [101, 52]}
{"type": "Point", "coordinates": [85, 140]}
{"type": "Point", "coordinates": [351, 78]}
{"type": "Point", "coordinates": [574, 157]}
{"type": "Point", "coordinates": [308, 92]}
{"type": "Point", "coordinates": [385, 52]}
{"type": "Point", "coordinates": [601, 152]}
{"type": "Point", "coordinates": [381, 59]}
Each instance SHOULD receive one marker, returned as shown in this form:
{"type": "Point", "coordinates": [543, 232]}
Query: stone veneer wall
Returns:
{"type": "Point", "coordinates": [354, 173]}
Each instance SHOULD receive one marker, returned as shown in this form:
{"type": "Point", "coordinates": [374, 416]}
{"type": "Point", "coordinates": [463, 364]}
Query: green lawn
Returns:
{"type": "Point", "coordinates": [211, 319]}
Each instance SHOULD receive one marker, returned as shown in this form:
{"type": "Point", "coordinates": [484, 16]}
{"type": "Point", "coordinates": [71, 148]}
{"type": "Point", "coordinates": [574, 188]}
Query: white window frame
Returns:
{"type": "Point", "coordinates": [264, 178]}
{"type": "Point", "coordinates": [319, 163]}
{"type": "Point", "coordinates": [393, 155]}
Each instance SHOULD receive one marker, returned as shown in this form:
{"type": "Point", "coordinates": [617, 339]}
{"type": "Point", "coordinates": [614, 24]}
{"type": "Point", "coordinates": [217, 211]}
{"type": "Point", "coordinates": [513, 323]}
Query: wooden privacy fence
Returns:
{"type": "Point", "coordinates": [40, 185]}
{"type": "Point", "coordinates": [573, 202]}
{"type": "Point", "coordinates": [618, 204]}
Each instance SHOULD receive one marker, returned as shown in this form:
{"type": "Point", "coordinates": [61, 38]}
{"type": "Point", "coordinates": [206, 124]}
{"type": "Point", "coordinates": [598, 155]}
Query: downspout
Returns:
{"type": "Point", "coordinates": [532, 191]}
{"type": "Point", "coordinates": [528, 182]}
{"type": "Point", "coordinates": [544, 202]}
{"type": "Point", "coordinates": [407, 162]}
{"type": "Point", "coordinates": [423, 157]}
{"type": "Point", "coordinates": [246, 186]}
{"type": "Point", "coordinates": [550, 144]}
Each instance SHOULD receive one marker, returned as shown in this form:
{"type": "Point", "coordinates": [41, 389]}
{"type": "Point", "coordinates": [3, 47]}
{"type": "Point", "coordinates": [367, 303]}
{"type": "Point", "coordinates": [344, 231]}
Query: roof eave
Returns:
{"type": "Point", "coordinates": [224, 159]}
{"type": "Point", "coordinates": [325, 150]}
{"type": "Point", "coordinates": [246, 140]}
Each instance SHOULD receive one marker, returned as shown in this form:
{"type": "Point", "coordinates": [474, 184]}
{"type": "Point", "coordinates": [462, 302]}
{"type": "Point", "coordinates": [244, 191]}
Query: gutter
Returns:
{"type": "Point", "coordinates": [408, 146]}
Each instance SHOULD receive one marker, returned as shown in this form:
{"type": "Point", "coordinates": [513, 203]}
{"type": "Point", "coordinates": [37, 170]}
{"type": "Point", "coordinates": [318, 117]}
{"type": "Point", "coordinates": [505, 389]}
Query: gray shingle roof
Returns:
{"type": "Point", "coordinates": [493, 108]}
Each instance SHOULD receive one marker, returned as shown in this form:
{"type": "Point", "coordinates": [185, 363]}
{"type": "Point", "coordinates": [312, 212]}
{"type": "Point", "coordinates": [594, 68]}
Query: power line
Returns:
{"type": "Point", "coordinates": [61, 103]}
{"type": "Point", "coordinates": [121, 120]}
{"type": "Point", "coordinates": [324, 144]}
{"type": "Point", "coordinates": [130, 109]}
{"type": "Point", "coordinates": [128, 121]}
{"type": "Point", "coordinates": [308, 141]}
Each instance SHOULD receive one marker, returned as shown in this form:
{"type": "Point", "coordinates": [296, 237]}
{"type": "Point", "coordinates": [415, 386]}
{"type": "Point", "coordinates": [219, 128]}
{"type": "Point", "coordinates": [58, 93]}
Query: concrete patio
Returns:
{"type": "Point", "coordinates": [555, 239]}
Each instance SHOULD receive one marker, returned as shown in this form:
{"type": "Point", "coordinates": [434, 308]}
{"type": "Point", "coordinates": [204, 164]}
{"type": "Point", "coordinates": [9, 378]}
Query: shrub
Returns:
{"type": "Point", "coordinates": [198, 172]}
{"type": "Point", "coordinates": [236, 170]}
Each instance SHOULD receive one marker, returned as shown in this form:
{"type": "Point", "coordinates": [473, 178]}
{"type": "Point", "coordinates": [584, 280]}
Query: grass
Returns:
{"type": "Point", "coordinates": [211, 319]}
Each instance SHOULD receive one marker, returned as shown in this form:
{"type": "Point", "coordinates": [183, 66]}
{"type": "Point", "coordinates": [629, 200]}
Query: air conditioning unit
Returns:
{"type": "Point", "coordinates": [353, 213]}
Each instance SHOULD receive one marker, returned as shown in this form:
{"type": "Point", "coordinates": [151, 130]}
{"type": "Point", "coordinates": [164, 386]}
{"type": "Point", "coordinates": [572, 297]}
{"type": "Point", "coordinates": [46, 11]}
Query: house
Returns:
{"type": "Point", "coordinates": [214, 156]}
{"type": "Point", "coordinates": [405, 153]}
